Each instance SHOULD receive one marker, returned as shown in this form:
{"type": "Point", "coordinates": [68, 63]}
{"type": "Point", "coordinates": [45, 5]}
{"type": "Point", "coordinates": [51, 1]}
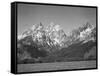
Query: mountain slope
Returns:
{"type": "Point", "coordinates": [52, 42]}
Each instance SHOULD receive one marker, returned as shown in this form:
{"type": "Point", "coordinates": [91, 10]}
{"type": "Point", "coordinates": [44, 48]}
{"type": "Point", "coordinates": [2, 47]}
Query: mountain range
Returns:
{"type": "Point", "coordinates": [39, 43]}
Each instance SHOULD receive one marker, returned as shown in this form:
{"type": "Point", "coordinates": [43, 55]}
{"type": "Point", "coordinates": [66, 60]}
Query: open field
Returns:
{"type": "Point", "coordinates": [56, 66]}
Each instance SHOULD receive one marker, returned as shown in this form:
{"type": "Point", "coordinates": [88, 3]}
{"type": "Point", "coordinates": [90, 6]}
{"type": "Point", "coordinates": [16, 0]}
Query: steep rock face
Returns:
{"type": "Point", "coordinates": [52, 35]}
{"type": "Point", "coordinates": [56, 35]}
{"type": "Point", "coordinates": [85, 33]}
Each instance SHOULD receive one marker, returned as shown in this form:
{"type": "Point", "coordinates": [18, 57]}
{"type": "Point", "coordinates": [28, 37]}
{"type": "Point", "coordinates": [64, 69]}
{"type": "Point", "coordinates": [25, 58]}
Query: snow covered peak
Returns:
{"type": "Point", "coordinates": [31, 31]}
{"type": "Point", "coordinates": [19, 37]}
{"type": "Point", "coordinates": [86, 33]}
{"type": "Point", "coordinates": [56, 34]}
{"type": "Point", "coordinates": [37, 27]}
{"type": "Point", "coordinates": [33, 27]}
{"type": "Point", "coordinates": [57, 27]}
{"type": "Point", "coordinates": [53, 27]}
{"type": "Point", "coordinates": [53, 35]}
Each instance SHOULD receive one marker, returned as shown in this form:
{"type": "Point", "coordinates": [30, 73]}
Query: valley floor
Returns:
{"type": "Point", "coordinates": [56, 66]}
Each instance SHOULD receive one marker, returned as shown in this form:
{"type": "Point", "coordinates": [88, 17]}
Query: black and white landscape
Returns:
{"type": "Point", "coordinates": [44, 47]}
{"type": "Point", "coordinates": [51, 44]}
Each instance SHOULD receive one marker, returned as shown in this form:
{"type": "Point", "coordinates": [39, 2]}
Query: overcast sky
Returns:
{"type": "Point", "coordinates": [67, 17]}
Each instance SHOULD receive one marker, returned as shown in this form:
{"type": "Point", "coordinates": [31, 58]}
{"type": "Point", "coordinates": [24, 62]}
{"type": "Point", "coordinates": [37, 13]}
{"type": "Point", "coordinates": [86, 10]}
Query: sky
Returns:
{"type": "Point", "coordinates": [68, 18]}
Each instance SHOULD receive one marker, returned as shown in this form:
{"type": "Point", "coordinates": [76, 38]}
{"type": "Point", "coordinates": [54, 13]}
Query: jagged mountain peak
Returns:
{"type": "Point", "coordinates": [56, 34]}
{"type": "Point", "coordinates": [84, 33]}
{"type": "Point", "coordinates": [88, 25]}
{"type": "Point", "coordinates": [53, 27]}
{"type": "Point", "coordinates": [31, 31]}
{"type": "Point", "coordinates": [53, 35]}
{"type": "Point", "coordinates": [37, 27]}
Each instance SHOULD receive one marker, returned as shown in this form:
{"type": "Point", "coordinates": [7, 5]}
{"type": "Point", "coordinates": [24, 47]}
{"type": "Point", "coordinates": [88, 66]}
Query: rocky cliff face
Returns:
{"type": "Point", "coordinates": [51, 36]}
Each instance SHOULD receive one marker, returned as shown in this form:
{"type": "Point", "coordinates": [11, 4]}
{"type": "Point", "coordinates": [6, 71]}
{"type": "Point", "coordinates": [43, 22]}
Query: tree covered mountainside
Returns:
{"type": "Point", "coordinates": [41, 44]}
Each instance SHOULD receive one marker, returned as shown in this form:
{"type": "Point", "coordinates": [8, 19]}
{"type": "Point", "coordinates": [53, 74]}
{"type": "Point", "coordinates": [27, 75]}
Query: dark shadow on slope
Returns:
{"type": "Point", "coordinates": [75, 52]}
